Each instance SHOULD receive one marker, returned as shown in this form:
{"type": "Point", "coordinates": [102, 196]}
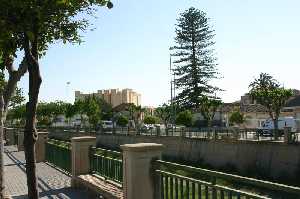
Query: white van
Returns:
{"type": "Point", "coordinates": [282, 123]}
{"type": "Point", "coordinates": [106, 124]}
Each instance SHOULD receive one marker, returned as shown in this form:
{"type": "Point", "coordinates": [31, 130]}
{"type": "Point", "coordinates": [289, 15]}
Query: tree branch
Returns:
{"type": "Point", "coordinates": [9, 64]}
{"type": "Point", "coordinates": [14, 77]}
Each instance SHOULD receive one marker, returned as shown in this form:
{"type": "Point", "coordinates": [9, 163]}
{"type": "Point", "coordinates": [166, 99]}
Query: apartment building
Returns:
{"type": "Point", "coordinates": [114, 97]}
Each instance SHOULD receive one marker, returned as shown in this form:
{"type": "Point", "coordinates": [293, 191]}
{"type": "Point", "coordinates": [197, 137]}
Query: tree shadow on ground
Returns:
{"type": "Point", "coordinates": [64, 193]}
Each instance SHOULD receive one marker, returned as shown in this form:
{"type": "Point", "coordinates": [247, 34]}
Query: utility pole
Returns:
{"type": "Point", "coordinates": [172, 96]}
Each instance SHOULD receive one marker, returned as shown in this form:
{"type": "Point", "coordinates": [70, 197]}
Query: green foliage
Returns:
{"type": "Point", "coordinates": [267, 92]}
{"type": "Point", "coordinates": [90, 107]}
{"type": "Point", "coordinates": [185, 118]}
{"type": "Point", "coordinates": [195, 63]}
{"type": "Point", "coordinates": [47, 113]}
{"type": "Point", "coordinates": [164, 113]}
{"type": "Point", "coordinates": [208, 108]}
{"type": "Point", "coordinates": [70, 111]}
{"type": "Point", "coordinates": [151, 120]}
{"type": "Point", "coordinates": [17, 98]}
{"type": "Point", "coordinates": [92, 110]}
{"type": "Point", "coordinates": [17, 113]}
{"type": "Point", "coordinates": [45, 21]}
{"type": "Point", "coordinates": [236, 117]}
{"type": "Point", "coordinates": [122, 121]}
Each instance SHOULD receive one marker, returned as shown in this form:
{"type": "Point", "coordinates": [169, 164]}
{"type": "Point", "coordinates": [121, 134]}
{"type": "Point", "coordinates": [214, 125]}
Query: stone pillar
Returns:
{"type": "Point", "coordinates": [40, 146]}
{"type": "Point", "coordinates": [20, 140]}
{"type": "Point", "coordinates": [80, 156]}
{"type": "Point", "coordinates": [138, 178]}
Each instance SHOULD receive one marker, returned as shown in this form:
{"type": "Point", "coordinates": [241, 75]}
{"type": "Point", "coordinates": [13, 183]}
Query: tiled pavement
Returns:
{"type": "Point", "coordinates": [52, 183]}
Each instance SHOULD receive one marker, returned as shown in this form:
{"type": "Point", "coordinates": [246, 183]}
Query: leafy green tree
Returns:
{"type": "Point", "coordinates": [106, 112]}
{"type": "Point", "coordinates": [185, 118]}
{"type": "Point", "coordinates": [122, 121]}
{"type": "Point", "coordinates": [70, 111]}
{"type": "Point", "coordinates": [8, 83]}
{"type": "Point", "coordinates": [92, 110]}
{"type": "Point", "coordinates": [44, 113]}
{"type": "Point", "coordinates": [151, 120]}
{"type": "Point", "coordinates": [17, 113]}
{"type": "Point", "coordinates": [195, 65]}
{"type": "Point", "coordinates": [17, 98]}
{"type": "Point", "coordinates": [267, 92]}
{"type": "Point", "coordinates": [208, 108]}
{"type": "Point", "coordinates": [164, 113]}
{"type": "Point", "coordinates": [32, 25]}
{"type": "Point", "coordinates": [79, 108]}
{"type": "Point", "coordinates": [135, 113]}
{"type": "Point", "coordinates": [236, 117]}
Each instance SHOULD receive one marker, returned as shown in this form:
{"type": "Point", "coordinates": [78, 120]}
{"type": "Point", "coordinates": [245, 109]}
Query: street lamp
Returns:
{"type": "Point", "coordinates": [173, 94]}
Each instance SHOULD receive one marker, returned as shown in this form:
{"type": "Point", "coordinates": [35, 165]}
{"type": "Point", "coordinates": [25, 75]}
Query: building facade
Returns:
{"type": "Point", "coordinates": [114, 97]}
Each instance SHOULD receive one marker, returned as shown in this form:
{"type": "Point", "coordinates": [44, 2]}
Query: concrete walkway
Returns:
{"type": "Point", "coordinates": [52, 183]}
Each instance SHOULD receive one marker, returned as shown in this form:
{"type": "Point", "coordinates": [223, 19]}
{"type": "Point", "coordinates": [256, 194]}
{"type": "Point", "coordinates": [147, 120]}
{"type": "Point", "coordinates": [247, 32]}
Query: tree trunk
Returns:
{"type": "Point", "coordinates": [275, 121]}
{"type": "Point", "coordinates": [5, 96]}
{"type": "Point", "coordinates": [2, 185]}
{"type": "Point", "coordinates": [30, 132]}
{"type": "Point", "coordinates": [209, 123]}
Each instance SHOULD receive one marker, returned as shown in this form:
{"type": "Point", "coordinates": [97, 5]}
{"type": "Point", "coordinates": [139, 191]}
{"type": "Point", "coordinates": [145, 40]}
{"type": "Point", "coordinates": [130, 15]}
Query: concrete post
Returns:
{"type": "Point", "coordinates": [80, 156]}
{"type": "Point", "coordinates": [287, 135]}
{"type": "Point", "coordinates": [138, 178]}
{"type": "Point", "coordinates": [20, 141]}
{"type": "Point", "coordinates": [40, 146]}
{"type": "Point", "coordinates": [9, 136]}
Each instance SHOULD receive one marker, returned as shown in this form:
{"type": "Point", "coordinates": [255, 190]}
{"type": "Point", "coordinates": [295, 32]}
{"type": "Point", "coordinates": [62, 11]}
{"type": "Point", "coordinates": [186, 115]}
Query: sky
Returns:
{"type": "Point", "coordinates": [130, 48]}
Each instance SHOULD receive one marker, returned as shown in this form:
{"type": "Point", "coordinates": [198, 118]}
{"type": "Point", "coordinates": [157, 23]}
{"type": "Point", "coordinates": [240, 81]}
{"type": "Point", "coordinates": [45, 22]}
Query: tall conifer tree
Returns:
{"type": "Point", "coordinates": [195, 64]}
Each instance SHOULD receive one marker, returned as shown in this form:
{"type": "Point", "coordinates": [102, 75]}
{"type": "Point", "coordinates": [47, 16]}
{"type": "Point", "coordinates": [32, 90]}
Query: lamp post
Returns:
{"type": "Point", "coordinates": [173, 94]}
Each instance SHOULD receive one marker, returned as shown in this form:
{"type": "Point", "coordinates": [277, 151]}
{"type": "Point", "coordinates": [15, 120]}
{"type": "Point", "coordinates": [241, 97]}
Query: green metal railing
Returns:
{"type": "Point", "coordinates": [59, 154]}
{"type": "Point", "coordinates": [107, 164]}
{"type": "Point", "coordinates": [186, 182]}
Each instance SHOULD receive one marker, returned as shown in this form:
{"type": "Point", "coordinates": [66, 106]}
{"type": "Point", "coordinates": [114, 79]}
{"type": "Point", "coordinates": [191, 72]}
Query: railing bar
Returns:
{"type": "Point", "coordinates": [206, 192]}
{"type": "Point", "coordinates": [176, 188]}
{"type": "Point", "coordinates": [162, 186]}
{"type": "Point", "coordinates": [184, 177]}
{"type": "Point", "coordinates": [181, 188]}
{"type": "Point", "coordinates": [187, 183]}
{"type": "Point", "coordinates": [199, 191]}
{"type": "Point", "coordinates": [166, 187]}
{"type": "Point", "coordinates": [171, 187]}
{"type": "Point", "coordinates": [193, 191]}
{"type": "Point", "coordinates": [261, 183]}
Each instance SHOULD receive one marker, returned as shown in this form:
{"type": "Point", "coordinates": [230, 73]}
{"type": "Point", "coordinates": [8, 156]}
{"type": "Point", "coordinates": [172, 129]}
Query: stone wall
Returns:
{"type": "Point", "coordinates": [275, 160]}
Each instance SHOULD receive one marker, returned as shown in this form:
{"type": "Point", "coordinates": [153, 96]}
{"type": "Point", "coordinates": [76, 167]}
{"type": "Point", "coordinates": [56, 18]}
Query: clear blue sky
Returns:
{"type": "Point", "coordinates": [130, 46]}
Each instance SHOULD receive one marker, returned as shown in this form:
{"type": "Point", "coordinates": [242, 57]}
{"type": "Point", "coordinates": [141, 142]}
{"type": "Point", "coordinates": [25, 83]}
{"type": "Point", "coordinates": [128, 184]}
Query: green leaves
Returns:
{"type": "Point", "coordinates": [267, 92]}
{"type": "Point", "coordinates": [195, 64]}
{"type": "Point", "coordinates": [185, 118]}
{"type": "Point", "coordinates": [208, 108]}
{"type": "Point", "coordinates": [46, 22]}
{"type": "Point", "coordinates": [110, 5]}
{"type": "Point", "coordinates": [236, 117]}
{"type": "Point", "coordinates": [164, 112]}
{"type": "Point", "coordinates": [151, 120]}
{"type": "Point", "coordinates": [2, 65]}
{"type": "Point", "coordinates": [122, 121]}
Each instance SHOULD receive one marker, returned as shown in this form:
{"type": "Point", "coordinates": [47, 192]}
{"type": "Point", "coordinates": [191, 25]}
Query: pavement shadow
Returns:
{"type": "Point", "coordinates": [64, 193]}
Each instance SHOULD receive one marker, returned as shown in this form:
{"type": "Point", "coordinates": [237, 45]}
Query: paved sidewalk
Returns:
{"type": "Point", "coordinates": [52, 183]}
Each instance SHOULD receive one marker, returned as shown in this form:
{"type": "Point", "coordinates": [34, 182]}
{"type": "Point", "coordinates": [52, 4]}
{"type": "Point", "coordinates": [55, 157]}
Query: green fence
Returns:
{"type": "Point", "coordinates": [186, 182]}
{"type": "Point", "coordinates": [59, 154]}
{"type": "Point", "coordinates": [107, 164]}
